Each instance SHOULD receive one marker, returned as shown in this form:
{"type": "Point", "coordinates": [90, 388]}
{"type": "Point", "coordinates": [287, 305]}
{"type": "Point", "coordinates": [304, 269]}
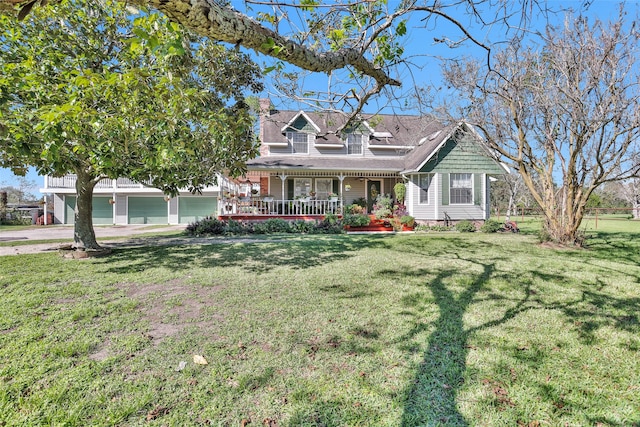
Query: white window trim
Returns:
{"type": "Point", "coordinates": [362, 144]}
{"type": "Point", "coordinates": [451, 188]}
{"type": "Point", "coordinates": [429, 195]}
{"type": "Point", "coordinates": [290, 136]}
{"type": "Point", "coordinates": [296, 186]}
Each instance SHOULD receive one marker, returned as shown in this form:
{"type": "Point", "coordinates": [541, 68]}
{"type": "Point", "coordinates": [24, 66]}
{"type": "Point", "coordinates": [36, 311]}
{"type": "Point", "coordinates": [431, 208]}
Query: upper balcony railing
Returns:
{"type": "Point", "coordinates": [69, 181]}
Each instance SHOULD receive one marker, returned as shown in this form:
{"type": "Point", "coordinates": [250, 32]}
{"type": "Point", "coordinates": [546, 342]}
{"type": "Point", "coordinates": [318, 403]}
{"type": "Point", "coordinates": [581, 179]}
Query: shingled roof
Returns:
{"type": "Point", "coordinates": [420, 136]}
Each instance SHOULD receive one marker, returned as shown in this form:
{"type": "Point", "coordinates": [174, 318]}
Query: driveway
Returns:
{"type": "Point", "coordinates": [57, 232]}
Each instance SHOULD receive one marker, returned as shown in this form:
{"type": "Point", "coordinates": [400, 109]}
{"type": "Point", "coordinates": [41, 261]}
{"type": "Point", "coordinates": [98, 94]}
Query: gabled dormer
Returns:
{"type": "Point", "coordinates": [300, 133]}
{"type": "Point", "coordinates": [356, 138]}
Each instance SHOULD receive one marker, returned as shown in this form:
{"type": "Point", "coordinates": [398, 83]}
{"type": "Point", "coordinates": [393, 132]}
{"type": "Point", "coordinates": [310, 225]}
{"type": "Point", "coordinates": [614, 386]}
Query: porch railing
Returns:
{"type": "Point", "coordinates": [271, 206]}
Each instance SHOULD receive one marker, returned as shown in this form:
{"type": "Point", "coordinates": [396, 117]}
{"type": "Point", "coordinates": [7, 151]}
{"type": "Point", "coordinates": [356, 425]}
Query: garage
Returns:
{"type": "Point", "coordinates": [102, 210]}
{"type": "Point", "coordinates": [194, 208]}
{"type": "Point", "coordinates": [147, 210]}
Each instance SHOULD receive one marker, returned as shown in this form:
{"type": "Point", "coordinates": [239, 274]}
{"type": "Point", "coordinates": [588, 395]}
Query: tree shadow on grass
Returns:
{"type": "Point", "coordinates": [257, 256]}
{"type": "Point", "coordinates": [431, 398]}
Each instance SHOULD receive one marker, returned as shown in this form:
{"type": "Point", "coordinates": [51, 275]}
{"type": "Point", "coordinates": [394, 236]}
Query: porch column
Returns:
{"type": "Point", "coordinates": [341, 178]}
{"type": "Point", "coordinates": [282, 177]}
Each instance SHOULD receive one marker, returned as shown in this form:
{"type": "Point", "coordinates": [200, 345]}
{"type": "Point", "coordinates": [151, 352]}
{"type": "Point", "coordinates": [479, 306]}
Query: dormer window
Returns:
{"type": "Point", "coordinates": [299, 142]}
{"type": "Point", "coordinates": [354, 143]}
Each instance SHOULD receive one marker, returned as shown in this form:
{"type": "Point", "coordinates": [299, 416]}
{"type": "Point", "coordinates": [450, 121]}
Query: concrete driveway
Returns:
{"type": "Point", "coordinates": [57, 232]}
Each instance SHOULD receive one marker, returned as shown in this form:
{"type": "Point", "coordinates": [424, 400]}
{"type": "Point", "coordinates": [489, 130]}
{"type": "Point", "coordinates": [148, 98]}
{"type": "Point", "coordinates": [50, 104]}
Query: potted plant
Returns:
{"type": "Point", "coordinates": [347, 187]}
{"type": "Point", "coordinates": [333, 197]}
{"type": "Point", "coordinates": [267, 198]}
{"type": "Point", "coordinates": [408, 222]}
{"type": "Point", "coordinates": [401, 190]}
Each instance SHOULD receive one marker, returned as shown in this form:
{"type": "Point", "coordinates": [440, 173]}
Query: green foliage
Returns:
{"type": "Point", "coordinates": [491, 226]}
{"type": "Point", "coordinates": [434, 228]}
{"type": "Point", "coordinates": [400, 190]}
{"type": "Point", "coordinates": [354, 208]}
{"type": "Point", "coordinates": [356, 220]}
{"type": "Point", "coordinates": [382, 207]}
{"type": "Point", "coordinates": [213, 226]}
{"type": "Point", "coordinates": [205, 227]}
{"type": "Point", "coordinates": [360, 201]}
{"type": "Point", "coordinates": [86, 89]}
{"type": "Point", "coordinates": [407, 220]}
{"type": "Point", "coordinates": [465, 226]}
{"type": "Point", "coordinates": [272, 225]}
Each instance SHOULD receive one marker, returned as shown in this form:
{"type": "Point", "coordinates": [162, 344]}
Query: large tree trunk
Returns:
{"type": "Point", "coordinates": [84, 237]}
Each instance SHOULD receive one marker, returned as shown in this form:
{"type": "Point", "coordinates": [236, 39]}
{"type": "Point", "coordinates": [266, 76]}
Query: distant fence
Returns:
{"type": "Point", "coordinates": [595, 214]}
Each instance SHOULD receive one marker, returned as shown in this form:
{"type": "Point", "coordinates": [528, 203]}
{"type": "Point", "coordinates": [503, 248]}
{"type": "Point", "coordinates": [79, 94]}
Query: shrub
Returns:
{"type": "Point", "coordinates": [301, 226]}
{"type": "Point", "coordinates": [329, 225]}
{"type": "Point", "coordinates": [360, 201]}
{"type": "Point", "coordinates": [276, 225]}
{"type": "Point", "coordinates": [353, 209]}
{"type": "Point", "coordinates": [382, 207]}
{"type": "Point", "coordinates": [206, 226]}
{"type": "Point", "coordinates": [356, 220]}
{"type": "Point", "coordinates": [491, 226]}
{"type": "Point", "coordinates": [235, 227]}
{"type": "Point", "coordinates": [400, 211]}
{"type": "Point", "coordinates": [465, 226]}
{"type": "Point", "coordinates": [331, 219]}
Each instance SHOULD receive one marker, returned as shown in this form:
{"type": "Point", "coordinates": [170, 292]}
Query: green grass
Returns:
{"type": "Point", "coordinates": [407, 330]}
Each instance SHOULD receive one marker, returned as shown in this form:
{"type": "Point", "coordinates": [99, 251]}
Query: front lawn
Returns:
{"type": "Point", "coordinates": [406, 330]}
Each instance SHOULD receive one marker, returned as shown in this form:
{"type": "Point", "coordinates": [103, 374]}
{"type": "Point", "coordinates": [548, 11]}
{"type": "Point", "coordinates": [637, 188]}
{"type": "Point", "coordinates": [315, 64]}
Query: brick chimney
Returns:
{"type": "Point", "coordinates": [265, 111]}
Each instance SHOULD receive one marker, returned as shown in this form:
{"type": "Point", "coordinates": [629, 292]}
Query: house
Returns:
{"type": "Point", "coordinates": [122, 201]}
{"type": "Point", "coordinates": [303, 160]}
{"type": "Point", "coordinates": [307, 169]}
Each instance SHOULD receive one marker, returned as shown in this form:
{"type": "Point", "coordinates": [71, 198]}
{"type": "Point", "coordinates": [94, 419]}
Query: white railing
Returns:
{"type": "Point", "coordinates": [270, 206]}
{"type": "Point", "coordinates": [69, 181]}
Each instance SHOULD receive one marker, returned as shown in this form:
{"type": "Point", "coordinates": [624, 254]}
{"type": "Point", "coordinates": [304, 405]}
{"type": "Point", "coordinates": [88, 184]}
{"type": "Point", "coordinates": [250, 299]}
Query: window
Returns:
{"type": "Point", "coordinates": [461, 188]}
{"type": "Point", "coordinates": [354, 143]}
{"type": "Point", "coordinates": [299, 142]}
{"type": "Point", "coordinates": [324, 187]}
{"type": "Point", "coordinates": [301, 187]}
{"type": "Point", "coordinates": [425, 184]}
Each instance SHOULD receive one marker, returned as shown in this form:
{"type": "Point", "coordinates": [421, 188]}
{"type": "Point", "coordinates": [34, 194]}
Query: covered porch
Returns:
{"type": "Point", "coordinates": [307, 193]}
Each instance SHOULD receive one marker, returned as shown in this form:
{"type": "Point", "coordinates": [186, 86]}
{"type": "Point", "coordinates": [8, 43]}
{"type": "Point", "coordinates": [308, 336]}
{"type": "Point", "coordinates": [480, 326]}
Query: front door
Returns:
{"type": "Point", "coordinates": [374, 189]}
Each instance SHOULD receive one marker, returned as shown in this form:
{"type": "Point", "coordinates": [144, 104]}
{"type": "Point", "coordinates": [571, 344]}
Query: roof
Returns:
{"type": "Point", "coordinates": [388, 130]}
{"type": "Point", "coordinates": [420, 136]}
{"type": "Point", "coordinates": [328, 163]}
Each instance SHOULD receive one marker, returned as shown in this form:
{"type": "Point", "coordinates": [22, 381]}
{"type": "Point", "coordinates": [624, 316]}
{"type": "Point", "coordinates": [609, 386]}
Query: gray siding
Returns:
{"type": "Point", "coordinates": [422, 211]}
{"type": "Point", "coordinates": [319, 150]}
{"type": "Point", "coordinates": [477, 210]}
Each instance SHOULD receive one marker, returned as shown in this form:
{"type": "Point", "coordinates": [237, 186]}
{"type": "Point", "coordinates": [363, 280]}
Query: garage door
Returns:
{"type": "Point", "coordinates": [102, 210]}
{"type": "Point", "coordinates": [191, 209]}
{"type": "Point", "coordinates": [147, 210]}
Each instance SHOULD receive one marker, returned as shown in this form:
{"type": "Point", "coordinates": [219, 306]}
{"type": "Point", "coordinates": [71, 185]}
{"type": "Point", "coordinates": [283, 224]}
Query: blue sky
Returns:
{"type": "Point", "coordinates": [420, 42]}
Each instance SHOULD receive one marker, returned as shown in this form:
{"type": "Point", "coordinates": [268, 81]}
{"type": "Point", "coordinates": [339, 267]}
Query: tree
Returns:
{"type": "Point", "coordinates": [629, 191]}
{"type": "Point", "coordinates": [364, 38]}
{"type": "Point", "coordinates": [20, 193]}
{"type": "Point", "coordinates": [508, 192]}
{"type": "Point", "coordinates": [565, 113]}
{"type": "Point", "coordinates": [85, 89]}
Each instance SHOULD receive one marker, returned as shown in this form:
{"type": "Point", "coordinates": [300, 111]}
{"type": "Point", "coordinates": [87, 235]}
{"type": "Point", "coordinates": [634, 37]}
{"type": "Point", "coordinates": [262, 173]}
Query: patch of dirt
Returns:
{"type": "Point", "coordinates": [172, 306]}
